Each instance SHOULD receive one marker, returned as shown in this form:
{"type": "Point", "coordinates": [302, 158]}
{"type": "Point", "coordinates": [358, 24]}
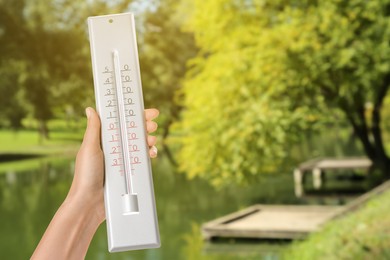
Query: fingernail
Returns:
{"type": "Point", "coordinates": [88, 112]}
{"type": "Point", "coordinates": [153, 152]}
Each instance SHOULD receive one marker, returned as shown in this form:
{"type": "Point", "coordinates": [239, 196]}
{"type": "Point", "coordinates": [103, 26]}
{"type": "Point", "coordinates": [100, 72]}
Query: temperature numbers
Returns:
{"type": "Point", "coordinates": [112, 121]}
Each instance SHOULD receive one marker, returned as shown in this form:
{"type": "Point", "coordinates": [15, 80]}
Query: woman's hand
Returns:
{"type": "Point", "coordinates": [73, 226]}
{"type": "Point", "coordinates": [88, 179]}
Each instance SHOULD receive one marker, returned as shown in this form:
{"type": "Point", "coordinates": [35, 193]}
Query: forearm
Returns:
{"type": "Point", "coordinates": [69, 233]}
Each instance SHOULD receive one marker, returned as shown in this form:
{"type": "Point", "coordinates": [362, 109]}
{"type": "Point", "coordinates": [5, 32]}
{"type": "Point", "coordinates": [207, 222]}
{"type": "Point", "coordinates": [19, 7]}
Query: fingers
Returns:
{"type": "Point", "coordinates": [151, 126]}
{"type": "Point", "coordinates": [92, 133]}
{"type": "Point", "coordinates": [151, 114]}
{"type": "Point", "coordinates": [152, 140]}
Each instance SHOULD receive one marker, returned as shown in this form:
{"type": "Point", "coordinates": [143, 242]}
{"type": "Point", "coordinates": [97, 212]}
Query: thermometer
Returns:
{"type": "Point", "coordinates": [128, 192]}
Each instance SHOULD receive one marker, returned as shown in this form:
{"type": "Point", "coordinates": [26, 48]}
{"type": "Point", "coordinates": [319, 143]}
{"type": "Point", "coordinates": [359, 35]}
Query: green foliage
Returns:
{"type": "Point", "coordinates": [364, 235]}
{"type": "Point", "coordinates": [47, 48]}
{"type": "Point", "coordinates": [268, 71]}
{"type": "Point", "coordinates": [164, 51]}
{"type": "Point", "coordinates": [47, 40]}
{"type": "Point", "coordinates": [11, 98]}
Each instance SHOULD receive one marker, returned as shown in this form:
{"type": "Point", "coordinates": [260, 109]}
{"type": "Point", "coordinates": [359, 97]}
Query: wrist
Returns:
{"type": "Point", "coordinates": [88, 209]}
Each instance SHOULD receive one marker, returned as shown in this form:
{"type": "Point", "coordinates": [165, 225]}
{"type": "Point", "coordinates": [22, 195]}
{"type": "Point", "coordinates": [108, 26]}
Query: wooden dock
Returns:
{"type": "Point", "coordinates": [276, 222]}
{"type": "Point", "coordinates": [318, 166]}
{"type": "Point", "coordinates": [282, 221]}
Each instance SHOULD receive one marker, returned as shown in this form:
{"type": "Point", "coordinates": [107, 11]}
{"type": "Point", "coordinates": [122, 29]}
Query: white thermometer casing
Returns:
{"type": "Point", "coordinates": [128, 192]}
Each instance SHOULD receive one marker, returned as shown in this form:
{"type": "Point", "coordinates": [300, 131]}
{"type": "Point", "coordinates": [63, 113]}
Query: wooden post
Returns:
{"type": "Point", "coordinates": [317, 180]}
{"type": "Point", "coordinates": [298, 183]}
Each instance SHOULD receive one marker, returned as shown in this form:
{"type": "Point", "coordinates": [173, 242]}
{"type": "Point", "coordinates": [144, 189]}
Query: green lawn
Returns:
{"type": "Point", "coordinates": [364, 234]}
{"type": "Point", "coordinates": [64, 139]}
{"type": "Point", "coordinates": [30, 142]}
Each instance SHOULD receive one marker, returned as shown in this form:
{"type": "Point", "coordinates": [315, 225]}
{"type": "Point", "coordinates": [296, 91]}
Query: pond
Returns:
{"type": "Point", "coordinates": [29, 199]}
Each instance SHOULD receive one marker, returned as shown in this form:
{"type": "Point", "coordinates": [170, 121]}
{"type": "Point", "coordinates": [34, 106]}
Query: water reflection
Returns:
{"type": "Point", "coordinates": [28, 200]}
{"type": "Point", "coordinates": [30, 197]}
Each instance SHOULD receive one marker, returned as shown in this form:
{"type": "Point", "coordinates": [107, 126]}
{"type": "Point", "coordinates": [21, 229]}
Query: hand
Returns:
{"type": "Point", "coordinates": [71, 230]}
{"type": "Point", "coordinates": [87, 185]}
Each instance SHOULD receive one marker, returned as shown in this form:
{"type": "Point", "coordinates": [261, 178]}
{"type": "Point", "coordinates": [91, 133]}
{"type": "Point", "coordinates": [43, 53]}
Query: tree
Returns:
{"type": "Point", "coordinates": [164, 52]}
{"type": "Point", "coordinates": [33, 37]}
{"type": "Point", "coordinates": [269, 70]}
{"type": "Point", "coordinates": [48, 39]}
{"type": "Point", "coordinates": [11, 98]}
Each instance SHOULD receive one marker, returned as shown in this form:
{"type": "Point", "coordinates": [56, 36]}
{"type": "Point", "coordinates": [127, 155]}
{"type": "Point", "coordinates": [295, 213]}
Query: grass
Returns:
{"type": "Point", "coordinates": [64, 141]}
{"type": "Point", "coordinates": [364, 234]}
{"type": "Point", "coordinates": [29, 142]}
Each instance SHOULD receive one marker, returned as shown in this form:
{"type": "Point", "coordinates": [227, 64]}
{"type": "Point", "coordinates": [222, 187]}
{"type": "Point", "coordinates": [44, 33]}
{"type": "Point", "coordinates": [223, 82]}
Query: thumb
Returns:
{"type": "Point", "coordinates": [92, 133]}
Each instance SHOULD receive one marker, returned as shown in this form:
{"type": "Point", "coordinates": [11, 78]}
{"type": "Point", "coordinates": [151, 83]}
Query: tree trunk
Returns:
{"type": "Point", "coordinates": [166, 148]}
{"type": "Point", "coordinates": [363, 134]}
{"type": "Point", "coordinates": [43, 129]}
{"type": "Point", "coordinates": [382, 159]}
{"type": "Point", "coordinates": [379, 157]}
{"type": "Point", "coordinates": [371, 138]}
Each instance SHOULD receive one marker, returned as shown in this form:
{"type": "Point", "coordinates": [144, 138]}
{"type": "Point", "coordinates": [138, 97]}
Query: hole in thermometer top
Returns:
{"type": "Point", "coordinates": [119, 100]}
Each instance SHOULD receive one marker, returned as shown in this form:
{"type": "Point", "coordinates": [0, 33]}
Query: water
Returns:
{"type": "Point", "coordinates": [29, 199]}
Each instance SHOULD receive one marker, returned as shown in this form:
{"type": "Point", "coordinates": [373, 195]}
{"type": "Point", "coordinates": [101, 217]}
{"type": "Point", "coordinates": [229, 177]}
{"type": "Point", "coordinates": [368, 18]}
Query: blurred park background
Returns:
{"type": "Point", "coordinates": [247, 89]}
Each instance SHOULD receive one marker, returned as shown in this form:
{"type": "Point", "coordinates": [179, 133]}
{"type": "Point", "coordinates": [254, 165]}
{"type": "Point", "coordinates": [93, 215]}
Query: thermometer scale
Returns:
{"type": "Point", "coordinates": [128, 192]}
